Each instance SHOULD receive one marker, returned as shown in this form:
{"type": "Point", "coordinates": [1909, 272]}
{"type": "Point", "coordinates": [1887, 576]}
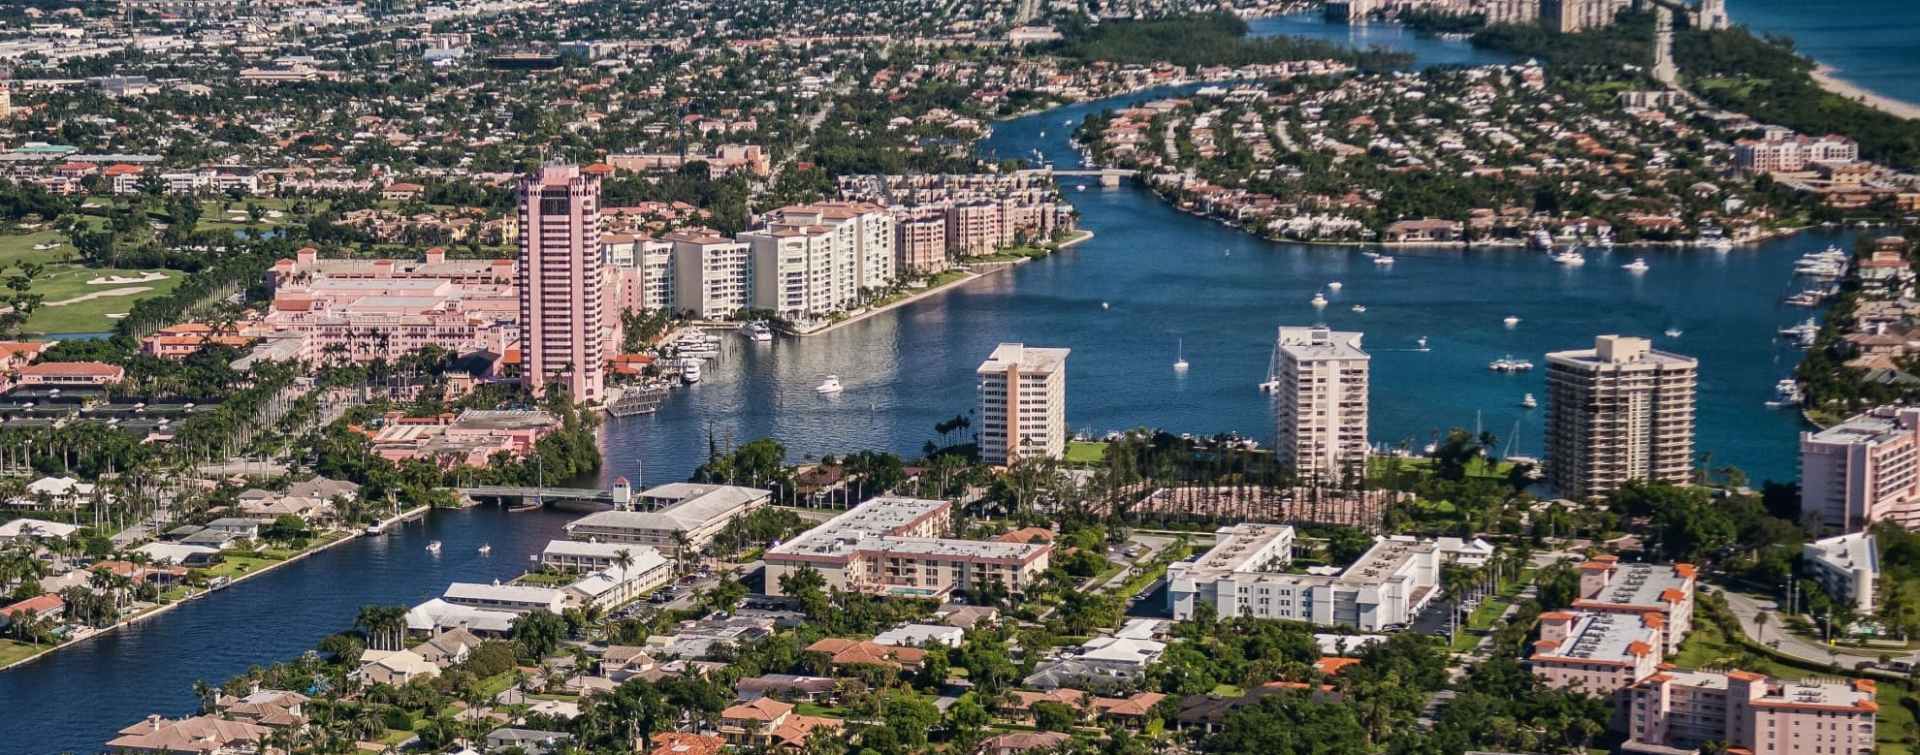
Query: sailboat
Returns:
{"type": "Point", "coordinates": [1180, 356]}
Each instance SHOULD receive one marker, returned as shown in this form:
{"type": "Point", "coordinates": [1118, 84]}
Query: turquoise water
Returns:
{"type": "Point", "coordinates": [1872, 43]}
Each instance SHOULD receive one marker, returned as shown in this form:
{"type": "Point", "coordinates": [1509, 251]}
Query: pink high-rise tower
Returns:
{"type": "Point", "coordinates": [561, 299]}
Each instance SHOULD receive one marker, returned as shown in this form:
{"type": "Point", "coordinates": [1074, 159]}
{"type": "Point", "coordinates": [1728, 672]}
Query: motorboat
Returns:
{"type": "Point", "coordinates": [434, 547]}
{"type": "Point", "coordinates": [486, 549]}
{"type": "Point", "coordinates": [1420, 344]}
{"type": "Point", "coordinates": [1802, 334]}
{"type": "Point", "coordinates": [1270, 386]}
{"type": "Point", "coordinates": [1786, 393]}
{"type": "Point", "coordinates": [1527, 402]}
{"type": "Point", "coordinates": [1180, 357]}
{"type": "Point", "coordinates": [1079, 187]}
{"type": "Point", "coordinates": [830, 385]}
{"type": "Point", "coordinates": [1334, 286]}
{"type": "Point", "coordinates": [1570, 258]}
{"type": "Point", "coordinates": [1383, 260]}
{"type": "Point", "coordinates": [758, 332]}
{"type": "Point", "coordinates": [1510, 321]}
{"type": "Point", "coordinates": [1360, 308]}
{"type": "Point", "coordinates": [1509, 364]}
{"type": "Point", "coordinates": [1638, 265]}
{"type": "Point", "coordinates": [690, 370]}
{"type": "Point", "coordinates": [376, 528]}
{"type": "Point", "coordinates": [1673, 332]}
{"type": "Point", "coordinates": [1319, 301]}
{"type": "Point", "coordinates": [1104, 305]}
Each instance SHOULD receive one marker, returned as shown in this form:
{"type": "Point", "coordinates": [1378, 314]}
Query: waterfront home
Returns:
{"type": "Point", "coordinates": [179, 553]}
{"type": "Point", "coordinates": [324, 489]}
{"type": "Point", "coordinates": [209, 735]}
{"type": "Point", "coordinates": [41, 606]}
{"type": "Point", "coordinates": [29, 530]}
{"type": "Point", "coordinates": [274, 506]}
{"type": "Point", "coordinates": [274, 708]}
{"type": "Point", "coordinates": [529, 741]}
{"type": "Point", "coordinates": [448, 647]}
{"type": "Point", "coordinates": [395, 667]}
{"type": "Point", "coordinates": [207, 537]}
{"type": "Point", "coordinates": [235, 526]}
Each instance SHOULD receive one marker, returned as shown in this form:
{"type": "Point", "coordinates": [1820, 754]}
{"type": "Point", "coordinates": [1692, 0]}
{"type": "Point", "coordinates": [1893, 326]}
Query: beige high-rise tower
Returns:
{"type": "Point", "coordinates": [1320, 383]}
{"type": "Point", "coordinates": [1023, 403]}
{"type": "Point", "coordinates": [1616, 412]}
{"type": "Point", "coordinates": [562, 315]}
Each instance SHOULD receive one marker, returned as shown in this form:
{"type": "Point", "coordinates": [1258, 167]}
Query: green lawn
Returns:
{"type": "Point", "coordinates": [811, 709]}
{"type": "Point", "coordinates": [494, 685]}
{"type": "Point", "coordinates": [1422, 465]}
{"type": "Point", "coordinates": [1086, 451]}
{"type": "Point", "coordinates": [19, 247]}
{"type": "Point", "coordinates": [11, 651]}
{"type": "Point", "coordinates": [74, 303]}
{"type": "Point", "coordinates": [237, 566]}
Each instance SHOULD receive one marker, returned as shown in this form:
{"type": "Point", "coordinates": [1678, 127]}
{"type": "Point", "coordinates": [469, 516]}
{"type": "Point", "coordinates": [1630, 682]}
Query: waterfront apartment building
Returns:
{"type": "Point", "coordinates": [899, 546]}
{"type": "Point", "coordinates": [1321, 389]}
{"type": "Point", "coordinates": [562, 310]}
{"type": "Point", "coordinates": [1245, 574]}
{"type": "Point", "coordinates": [646, 270]}
{"type": "Point", "coordinates": [1847, 567]}
{"type": "Point", "coordinates": [1665, 590]}
{"type": "Point", "coordinates": [1675, 711]}
{"type": "Point", "coordinates": [1619, 411]}
{"type": "Point", "coordinates": [920, 240]}
{"type": "Point", "coordinates": [1780, 150]}
{"type": "Point", "coordinates": [712, 274]}
{"type": "Point", "coordinates": [1861, 471]}
{"type": "Point", "coordinates": [1023, 403]}
{"type": "Point", "coordinates": [695, 515]}
{"type": "Point", "coordinates": [861, 233]}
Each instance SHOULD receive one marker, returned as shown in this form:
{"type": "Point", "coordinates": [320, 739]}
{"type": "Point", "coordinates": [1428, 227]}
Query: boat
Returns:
{"type": "Point", "coordinates": [1334, 286]}
{"type": "Point", "coordinates": [830, 385]}
{"type": "Point", "coordinates": [1270, 386]}
{"type": "Point", "coordinates": [1541, 239]}
{"type": "Point", "coordinates": [1511, 321]}
{"type": "Point", "coordinates": [1319, 300]}
{"type": "Point", "coordinates": [1810, 298]}
{"type": "Point", "coordinates": [1638, 265]}
{"type": "Point", "coordinates": [433, 547]}
{"type": "Point", "coordinates": [1803, 334]}
{"type": "Point", "coordinates": [1421, 344]}
{"type": "Point", "coordinates": [1180, 357]}
{"type": "Point", "coordinates": [1360, 308]}
{"type": "Point", "coordinates": [486, 549]}
{"type": "Point", "coordinates": [1570, 258]}
{"type": "Point", "coordinates": [1104, 305]}
{"type": "Point", "coordinates": [1509, 364]}
{"type": "Point", "coordinates": [376, 528]}
{"type": "Point", "coordinates": [1785, 393]}
{"type": "Point", "coordinates": [690, 370]}
{"type": "Point", "coordinates": [1067, 122]}
{"type": "Point", "coordinates": [1712, 238]}
{"type": "Point", "coordinates": [758, 332]}
{"type": "Point", "coordinates": [1079, 187]}
{"type": "Point", "coordinates": [1383, 260]}
{"type": "Point", "coordinates": [1673, 332]}
{"type": "Point", "coordinates": [1527, 402]}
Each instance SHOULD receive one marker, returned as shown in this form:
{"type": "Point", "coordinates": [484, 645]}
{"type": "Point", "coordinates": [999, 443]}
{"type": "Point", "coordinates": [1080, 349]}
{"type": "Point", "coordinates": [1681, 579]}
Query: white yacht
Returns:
{"type": "Point", "coordinates": [486, 549]}
{"type": "Point", "coordinates": [1383, 260]}
{"type": "Point", "coordinates": [1360, 308]}
{"type": "Point", "coordinates": [1421, 344]}
{"type": "Point", "coordinates": [1104, 305]}
{"type": "Point", "coordinates": [1638, 265]}
{"type": "Point", "coordinates": [1673, 332]}
{"type": "Point", "coordinates": [434, 547]}
{"type": "Point", "coordinates": [1527, 402]}
{"type": "Point", "coordinates": [1570, 258]}
{"type": "Point", "coordinates": [376, 528]}
{"type": "Point", "coordinates": [1319, 300]}
{"type": "Point", "coordinates": [1180, 357]}
{"type": "Point", "coordinates": [1786, 393]}
{"type": "Point", "coordinates": [1270, 386]}
{"type": "Point", "coordinates": [1334, 286]}
{"type": "Point", "coordinates": [1510, 321]}
{"type": "Point", "coordinates": [758, 332]}
{"type": "Point", "coordinates": [690, 370]}
{"type": "Point", "coordinates": [1509, 364]}
{"type": "Point", "coordinates": [830, 385]}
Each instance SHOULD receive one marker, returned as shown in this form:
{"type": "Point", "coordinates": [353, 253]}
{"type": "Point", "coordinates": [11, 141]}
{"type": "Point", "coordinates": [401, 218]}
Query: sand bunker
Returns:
{"type": "Point", "coordinates": [128, 291]}
{"type": "Point", "coordinates": [121, 280]}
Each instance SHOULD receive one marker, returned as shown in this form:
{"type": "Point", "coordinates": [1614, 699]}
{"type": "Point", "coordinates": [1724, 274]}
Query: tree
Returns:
{"type": "Point", "coordinates": [538, 633]}
{"type": "Point", "coordinates": [1050, 715]}
{"type": "Point", "coordinates": [386, 626]}
{"type": "Point", "coordinates": [967, 721]}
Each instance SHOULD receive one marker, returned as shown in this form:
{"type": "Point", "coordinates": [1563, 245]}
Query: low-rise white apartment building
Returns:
{"type": "Point", "coordinates": [1847, 567]}
{"type": "Point", "coordinates": [691, 515]}
{"type": "Point", "coordinates": [899, 546]}
{"type": "Point", "coordinates": [1244, 574]}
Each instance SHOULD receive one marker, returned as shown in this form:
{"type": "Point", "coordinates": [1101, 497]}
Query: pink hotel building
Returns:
{"type": "Point", "coordinates": [1862, 471]}
{"type": "Point", "coordinates": [563, 314]}
{"type": "Point", "coordinates": [1677, 711]}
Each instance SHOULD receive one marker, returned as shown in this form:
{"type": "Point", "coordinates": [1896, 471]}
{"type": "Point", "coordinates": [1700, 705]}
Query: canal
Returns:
{"type": "Point", "coordinates": [1166, 278]}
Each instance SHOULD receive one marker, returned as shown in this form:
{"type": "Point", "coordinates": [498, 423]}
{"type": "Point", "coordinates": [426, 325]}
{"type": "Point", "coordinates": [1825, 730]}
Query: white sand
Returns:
{"type": "Point", "coordinates": [1828, 78]}
{"type": "Point", "coordinates": [128, 291]}
{"type": "Point", "coordinates": [119, 280]}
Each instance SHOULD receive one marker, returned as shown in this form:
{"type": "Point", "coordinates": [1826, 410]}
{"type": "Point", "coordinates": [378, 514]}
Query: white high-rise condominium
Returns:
{"type": "Point", "coordinates": [1023, 403]}
{"type": "Point", "coordinates": [1616, 412]}
{"type": "Point", "coordinates": [562, 315]}
{"type": "Point", "coordinates": [1321, 379]}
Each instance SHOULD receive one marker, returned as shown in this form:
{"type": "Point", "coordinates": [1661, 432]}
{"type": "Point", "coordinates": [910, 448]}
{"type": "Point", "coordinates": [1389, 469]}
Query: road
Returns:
{"type": "Point", "coordinates": [1747, 607]}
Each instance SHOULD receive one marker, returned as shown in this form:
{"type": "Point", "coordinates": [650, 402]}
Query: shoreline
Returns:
{"type": "Point", "coordinates": [1829, 79]}
{"type": "Point", "coordinates": [972, 275]}
{"type": "Point", "coordinates": [158, 610]}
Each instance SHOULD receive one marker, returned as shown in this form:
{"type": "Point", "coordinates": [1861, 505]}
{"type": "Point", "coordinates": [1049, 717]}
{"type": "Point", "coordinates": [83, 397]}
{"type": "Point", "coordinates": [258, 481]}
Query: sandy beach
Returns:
{"type": "Point", "coordinates": [1828, 78]}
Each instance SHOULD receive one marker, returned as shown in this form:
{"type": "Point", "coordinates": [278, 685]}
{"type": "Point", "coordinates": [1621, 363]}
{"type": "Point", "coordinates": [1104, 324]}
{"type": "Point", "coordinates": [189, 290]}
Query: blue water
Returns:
{"type": "Point", "coordinates": [1428, 50]}
{"type": "Point", "coordinates": [1872, 43]}
{"type": "Point", "coordinates": [1167, 276]}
